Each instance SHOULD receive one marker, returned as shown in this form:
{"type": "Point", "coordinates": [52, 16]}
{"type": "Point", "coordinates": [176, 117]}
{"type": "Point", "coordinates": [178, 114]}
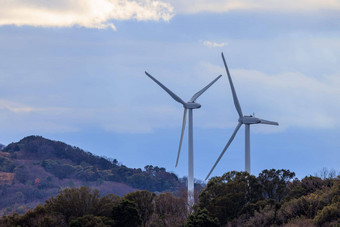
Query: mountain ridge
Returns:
{"type": "Point", "coordinates": [35, 168]}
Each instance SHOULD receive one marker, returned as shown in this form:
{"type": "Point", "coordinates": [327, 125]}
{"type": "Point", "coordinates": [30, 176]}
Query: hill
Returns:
{"type": "Point", "coordinates": [35, 168]}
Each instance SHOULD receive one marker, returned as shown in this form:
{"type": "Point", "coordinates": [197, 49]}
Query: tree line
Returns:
{"type": "Point", "coordinates": [273, 198]}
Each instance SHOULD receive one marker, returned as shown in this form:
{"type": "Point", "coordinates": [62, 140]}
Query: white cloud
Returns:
{"type": "Point", "coordinates": [293, 99]}
{"type": "Point", "coordinates": [121, 119]}
{"type": "Point", "coordinates": [19, 117]}
{"type": "Point", "coordinates": [214, 44]}
{"type": "Point", "coordinates": [220, 6]}
{"type": "Point", "coordinates": [143, 119]}
{"type": "Point", "coordinates": [16, 107]}
{"type": "Point", "coordinates": [101, 13]}
{"type": "Point", "coordinates": [86, 13]}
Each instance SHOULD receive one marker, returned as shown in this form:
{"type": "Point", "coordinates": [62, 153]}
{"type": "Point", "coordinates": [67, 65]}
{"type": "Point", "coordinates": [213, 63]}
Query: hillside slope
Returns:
{"type": "Point", "coordinates": [36, 168]}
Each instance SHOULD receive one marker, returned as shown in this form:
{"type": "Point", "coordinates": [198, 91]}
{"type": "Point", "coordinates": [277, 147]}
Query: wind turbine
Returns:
{"type": "Point", "coordinates": [243, 119]}
{"type": "Point", "coordinates": [190, 105]}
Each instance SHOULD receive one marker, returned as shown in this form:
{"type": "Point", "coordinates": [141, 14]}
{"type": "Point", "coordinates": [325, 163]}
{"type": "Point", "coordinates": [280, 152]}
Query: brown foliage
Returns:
{"type": "Point", "coordinates": [169, 210]}
{"type": "Point", "coordinates": [6, 178]}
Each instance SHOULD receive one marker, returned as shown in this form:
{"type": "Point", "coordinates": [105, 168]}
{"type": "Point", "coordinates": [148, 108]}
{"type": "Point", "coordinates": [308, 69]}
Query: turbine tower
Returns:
{"type": "Point", "coordinates": [243, 119]}
{"type": "Point", "coordinates": [190, 105]}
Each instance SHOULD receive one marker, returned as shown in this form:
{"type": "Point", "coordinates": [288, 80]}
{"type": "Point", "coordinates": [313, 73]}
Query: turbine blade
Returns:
{"type": "Point", "coordinates": [182, 133]}
{"type": "Point", "coordinates": [225, 148]}
{"type": "Point", "coordinates": [268, 122]}
{"type": "Point", "coordinates": [236, 102]}
{"type": "Point", "coordinates": [204, 89]}
{"type": "Point", "coordinates": [173, 95]}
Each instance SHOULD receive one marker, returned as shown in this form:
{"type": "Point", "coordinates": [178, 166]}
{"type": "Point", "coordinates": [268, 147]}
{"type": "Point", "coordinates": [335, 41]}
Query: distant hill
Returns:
{"type": "Point", "coordinates": [35, 168]}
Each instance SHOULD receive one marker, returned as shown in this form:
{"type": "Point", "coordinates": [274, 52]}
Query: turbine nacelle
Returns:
{"type": "Point", "coordinates": [249, 120]}
{"type": "Point", "coordinates": [192, 105]}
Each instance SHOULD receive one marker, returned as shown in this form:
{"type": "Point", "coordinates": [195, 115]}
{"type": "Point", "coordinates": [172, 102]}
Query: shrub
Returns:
{"type": "Point", "coordinates": [329, 213]}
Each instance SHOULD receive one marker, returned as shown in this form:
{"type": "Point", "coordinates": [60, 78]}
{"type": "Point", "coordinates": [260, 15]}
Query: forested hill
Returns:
{"type": "Point", "coordinates": [36, 168]}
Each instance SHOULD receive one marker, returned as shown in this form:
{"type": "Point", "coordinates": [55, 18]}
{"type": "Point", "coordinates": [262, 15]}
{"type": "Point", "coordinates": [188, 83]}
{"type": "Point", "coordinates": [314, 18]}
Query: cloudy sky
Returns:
{"type": "Point", "coordinates": [74, 71]}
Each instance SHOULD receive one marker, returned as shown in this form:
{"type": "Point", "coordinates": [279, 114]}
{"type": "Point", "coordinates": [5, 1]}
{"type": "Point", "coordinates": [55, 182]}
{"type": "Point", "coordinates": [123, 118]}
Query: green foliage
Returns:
{"type": "Point", "coordinates": [201, 218]}
{"type": "Point", "coordinates": [58, 169]}
{"type": "Point", "coordinates": [62, 166]}
{"type": "Point", "coordinates": [274, 183]}
{"type": "Point", "coordinates": [306, 186]}
{"type": "Point", "coordinates": [144, 201]}
{"type": "Point", "coordinates": [153, 179]}
{"type": "Point", "coordinates": [105, 205]}
{"type": "Point", "coordinates": [125, 214]}
{"type": "Point", "coordinates": [235, 199]}
{"type": "Point", "coordinates": [65, 161]}
{"type": "Point", "coordinates": [327, 214]}
{"type": "Point", "coordinates": [330, 212]}
{"type": "Point", "coordinates": [6, 165]}
{"type": "Point", "coordinates": [311, 205]}
{"type": "Point", "coordinates": [263, 216]}
{"type": "Point", "coordinates": [84, 207]}
{"type": "Point", "coordinates": [269, 199]}
{"type": "Point", "coordinates": [74, 202]}
{"type": "Point", "coordinates": [40, 216]}
{"type": "Point", "coordinates": [37, 146]}
{"type": "Point", "coordinates": [88, 173]}
{"type": "Point", "coordinates": [91, 221]}
{"type": "Point", "coordinates": [21, 174]}
{"type": "Point", "coordinates": [224, 197]}
{"type": "Point", "coordinates": [306, 206]}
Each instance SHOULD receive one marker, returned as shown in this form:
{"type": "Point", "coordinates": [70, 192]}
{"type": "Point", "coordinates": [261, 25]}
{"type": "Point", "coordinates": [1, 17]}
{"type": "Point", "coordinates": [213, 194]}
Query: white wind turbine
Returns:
{"type": "Point", "coordinates": [243, 119]}
{"type": "Point", "coordinates": [187, 106]}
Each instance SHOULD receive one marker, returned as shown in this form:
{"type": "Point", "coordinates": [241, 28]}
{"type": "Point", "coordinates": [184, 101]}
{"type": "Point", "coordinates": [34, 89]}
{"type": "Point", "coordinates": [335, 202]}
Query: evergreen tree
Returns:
{"type": "Point", "coordinates": [125, 214]}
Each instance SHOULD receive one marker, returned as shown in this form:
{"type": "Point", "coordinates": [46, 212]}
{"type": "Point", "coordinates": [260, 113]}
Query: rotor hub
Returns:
{"type": "Point", "coordinates": [192, 105]}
